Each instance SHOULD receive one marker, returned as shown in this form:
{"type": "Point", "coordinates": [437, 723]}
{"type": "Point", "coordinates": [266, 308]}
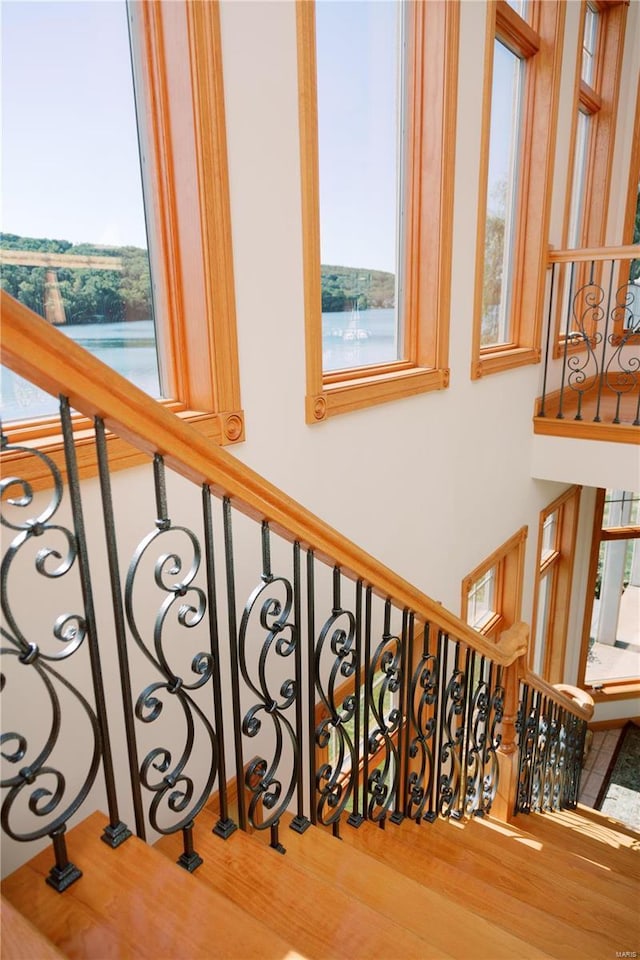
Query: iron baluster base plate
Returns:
{"type": "Point", "coordinates": [397, 817]}
{"type": "Point", "coordinates": [190, 861]}
{"type": "Point", "coordinates": [430, 817]}
{"type": "Point", "coordinates": [355, 820]}
{"type": "Point", "coordinates": [278, 847]}
{"type": "Point", "coordinates": [224, 828]}
{"type": "Point", "coordinates": [299, 824]}
{"type": "Point", "coordinates": [60, 878]}
{"type": "Point", "coordinates": [114, 836]}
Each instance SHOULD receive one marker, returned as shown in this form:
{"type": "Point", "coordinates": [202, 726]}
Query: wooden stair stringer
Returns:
{"type": "Point", "coordinates": [132, 902]}
{"type": "Point", "coordinates": [317, 917]}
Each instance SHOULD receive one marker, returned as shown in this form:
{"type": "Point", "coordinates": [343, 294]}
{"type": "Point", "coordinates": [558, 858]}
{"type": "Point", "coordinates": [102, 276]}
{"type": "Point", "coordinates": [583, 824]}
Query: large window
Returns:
{"type": "Point", "coordinates": [610, 660]}
{"type": "Point", "coordinates": [377, 198]}
{"type": "Point", "coordinates": [523, 54]}
{"type": "Point", "coordinates": [552, 594]}
{"type": "Point", "coordinates": [75, 225]}
{"type": "Point", "coordinates": [492, 593]}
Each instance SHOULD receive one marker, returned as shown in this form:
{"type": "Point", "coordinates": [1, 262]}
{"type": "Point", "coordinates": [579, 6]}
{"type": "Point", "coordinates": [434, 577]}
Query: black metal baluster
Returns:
{"type": "Point", "coordinates": [356, 818]}
{"type": "Point", "coordinates": [235, 675]}
{"type": "Point", "coordinates": [490, 767]}
{"type": "Point", "coordinates": [300, 822]}
{"type": "Point", "coordinates": [605, 342]}
{"type": "Point", "coordinates": [104, 477]}
{"type": "Point", "coordinates": [367, 702]}
{"type": "Point", "coordinates": [225, 825]}
{"type": "Point", "coordinates": [409, 716]}
{"type": "Point", "coordinates": [311, 684]}
{"type": "Point", "coordinates": [552, 297]}
{"type": "Point", "coordinates": [567, 338]}
{"type": "Point", "coordinates": [398, 814]}
{"type": "Point", "coordinates": [524, 755]}
{"type": "Point", "coordinates": [444, 665]}
{"type": "Point", "coordinates": [116, 832]}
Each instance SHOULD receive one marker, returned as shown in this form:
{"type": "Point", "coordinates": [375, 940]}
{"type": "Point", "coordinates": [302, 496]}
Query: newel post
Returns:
{"type": "Point", "coordinates": [503, 805]}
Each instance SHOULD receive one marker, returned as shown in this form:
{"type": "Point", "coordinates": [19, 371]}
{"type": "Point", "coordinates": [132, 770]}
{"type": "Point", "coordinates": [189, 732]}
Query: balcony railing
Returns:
{"type": "Point", "coordinates": [592, 350]}
{"type": "Point", "coordinates": [193, 641]}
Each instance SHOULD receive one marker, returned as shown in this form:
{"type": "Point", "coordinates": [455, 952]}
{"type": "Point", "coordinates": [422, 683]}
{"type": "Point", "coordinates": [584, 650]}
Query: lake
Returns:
{"type": "Point", "coordinates": [130, 349]}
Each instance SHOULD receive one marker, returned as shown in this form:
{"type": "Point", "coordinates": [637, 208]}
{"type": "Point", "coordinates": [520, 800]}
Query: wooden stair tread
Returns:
{"type": "Point", "coordinates": [316, 917]}
{"type": "Point", "coordinates": [415, 906]}
{"type": "Point", "coordinates": [585, 839]}
{"type": "Point", "coordinates": [132, 902]}
{"type": "Point", "coordinates": [605, 820]}
{"type": "Point", "coordinates": [482, 893]}
{"type": "Point", "coordinates": [21, 940]}
{"type": "Point", "coordinates": [500, 851]}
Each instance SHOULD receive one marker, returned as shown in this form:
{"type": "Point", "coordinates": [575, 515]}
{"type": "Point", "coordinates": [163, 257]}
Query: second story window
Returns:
{"type": "Point", "coordinates": [377, 92]}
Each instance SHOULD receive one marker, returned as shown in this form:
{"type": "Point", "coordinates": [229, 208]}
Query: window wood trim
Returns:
{"type": "Point", "coordinates": [560, 567]}
{"type": "Point", "coordinates": [429, 213]}
{"type": "Point", "coordinates": [508, 560]}
{"type": "Point", "coordinates": [617, 689]}
{"type": "Point", "coordinates": [533, 205]}
{"type": "Point", "coordinates": [630, 213]}
{"type": "Point", "coordinates": [181, 118]}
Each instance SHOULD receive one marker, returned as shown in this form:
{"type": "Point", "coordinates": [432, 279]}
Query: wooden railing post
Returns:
{"type": "Point", "coordinates": [504, 801]}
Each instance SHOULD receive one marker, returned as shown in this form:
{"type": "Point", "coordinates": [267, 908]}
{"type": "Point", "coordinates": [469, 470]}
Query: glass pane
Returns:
{"type": "Point", "coordinates": [358, 65]}
{"type": "Point", "coordinates": [621, 509]}
{"type": "Point", "coordinates": [506, 99]}
{"type": "Point", "coordinates": [589, 45]}
{"type": "Point", "coordinates": [614, 641]}
{"type": "Point", "coordinates": [549, 535]}
{"type": "Point", "coordinates": [574, 238]}
{"type": "Point", "coordinates": [542, 623]}
{"type": "Point", "coordinates": [74, 243]}
{"type": "Point", "coordinates": [520, 6]}
{"type": "Point", "coordinates": [481, 600]}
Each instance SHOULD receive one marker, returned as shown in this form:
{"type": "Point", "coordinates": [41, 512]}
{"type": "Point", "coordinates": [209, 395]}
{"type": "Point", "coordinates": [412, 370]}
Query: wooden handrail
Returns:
{"type": "Point", "coordinates": [581, 706]}
{"type": "Point", "coordinates": [629, 251]}
{"type": "Point", "coordinates": [43, 355]}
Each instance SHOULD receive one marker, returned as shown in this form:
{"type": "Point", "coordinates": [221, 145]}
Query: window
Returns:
{"type": "Point", "coordinates": [377, 81]}
{"type": "Point", "coordinates": [600, 45]}
{"type": "Point", "coordinates": [552, 592]}
{"type": "Point", "coordinates": [492, 593]}
{"type": "Point", "coordinates": [610, 657]}
{"type": "Point", "coordinates": [519, 119]}
{"type": "Point", "coordinates": [180, 114]}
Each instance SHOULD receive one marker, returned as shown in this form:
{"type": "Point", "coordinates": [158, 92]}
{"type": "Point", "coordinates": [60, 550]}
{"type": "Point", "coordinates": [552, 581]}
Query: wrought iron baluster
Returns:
{"type": "Point", "coordinates": [453, 702]}
{"type": "Point", "coordinates": [268, 610]}
{"type": "Point", "coordinates": [300, 822]}
{"type": "Point", "coordinates": [356, 818]}
{"type": "Point", "coordinates": [175, 798]}
{"type": "Point", "coordinates": [552, 300]}
{"type": "Point", "coordinates": [49, 796]}
{"type": "Point", "coordinates": [492, 740]}
{"type": "Point", "coordinates": [106, 495]}
{"type": "Point", "coordinates": [235, 672]}
{"type": "Point", "coordinates": [567, 340]}
{"type": "Point", "coordinates": [526, 727]}
{"type": "Point", "coordinates": [225, 825]}
{"type": "Point", "coordinates": [336, 779]}
{"type": "Point", "coordinates": [383, 782]}
{"type": "Point", "coordinates": [398, 814]}
{"type": "Point", "coordinates": [605, 341]}
{"type": "Point", "coordinates": [311, 683]}
{"type": "Point", "coordinates": [367, 702]}
{"type": "Point", "coordinates": [116, 832]}
{"type": "Point", "coordinates": [423, 712]}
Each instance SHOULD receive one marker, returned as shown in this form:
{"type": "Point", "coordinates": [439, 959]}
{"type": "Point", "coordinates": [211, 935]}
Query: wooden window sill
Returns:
{"type": "Point", "coordinates": [221, 428]}
{"type": "Point", "coordinates": [343, 396]}
{"type": "Point", "coordinates": [499, 360]}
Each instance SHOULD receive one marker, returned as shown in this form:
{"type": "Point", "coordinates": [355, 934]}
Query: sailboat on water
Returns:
{"type": "Point", "coordinates": [354, 331]}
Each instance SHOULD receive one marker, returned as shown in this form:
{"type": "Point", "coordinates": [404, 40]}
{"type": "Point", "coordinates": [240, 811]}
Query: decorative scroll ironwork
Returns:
{"type": "Point", "coordinates": [450, 775]}
{"type": "Point", "coordinates": [270, 611]}
{"type": "Point", "coordinates": [50, 798]}
{"type": "Point", "coordinates": [175, 799]}
{"type": "Point", "coordinates": [485, 708]}
{"type": "Point", "coordinates": [383, 681]}
{"type": "Point", "coordinates": [551, 745]}
{"type": "Point", "coordinates": [423, 707]}
{"type": "Point", "coordinates": [336, 778]}
{"type": "Point", "coordinates": [600, 344]}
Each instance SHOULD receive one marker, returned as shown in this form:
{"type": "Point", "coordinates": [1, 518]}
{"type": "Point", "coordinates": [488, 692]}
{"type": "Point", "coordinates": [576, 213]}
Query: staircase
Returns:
{"type": "Point", "coordinates": [564, 887]}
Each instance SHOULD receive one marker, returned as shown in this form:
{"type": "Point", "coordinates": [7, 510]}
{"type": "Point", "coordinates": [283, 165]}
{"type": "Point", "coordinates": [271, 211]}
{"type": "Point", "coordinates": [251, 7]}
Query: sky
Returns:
{"type": "Point", "coordinates": [70, 165]}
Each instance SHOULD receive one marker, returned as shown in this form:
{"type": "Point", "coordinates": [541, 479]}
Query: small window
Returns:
{"type": "Point", "coordinates": [492, 593]}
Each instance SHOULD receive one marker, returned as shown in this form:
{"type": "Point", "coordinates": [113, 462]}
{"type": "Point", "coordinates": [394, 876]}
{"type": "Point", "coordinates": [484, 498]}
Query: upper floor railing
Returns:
{"type": "Point", "coordinates": [592, 349]}
{"type": "Point", "coordinates": [207, 623]}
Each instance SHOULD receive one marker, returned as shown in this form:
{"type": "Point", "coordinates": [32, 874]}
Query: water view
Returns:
{"type": "Point", "coordinates": [129, 348]}
{"type": "Point", "coordinates": [358, 338]}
